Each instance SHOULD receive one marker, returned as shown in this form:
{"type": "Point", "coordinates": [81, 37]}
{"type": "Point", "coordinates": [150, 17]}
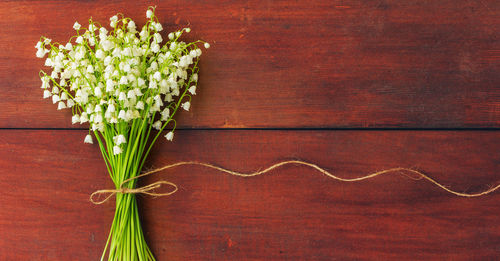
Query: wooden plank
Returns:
{"type": "Point", "coordinates": [292, 213]}
{"type": "Point", "coordinates": [314, 63]}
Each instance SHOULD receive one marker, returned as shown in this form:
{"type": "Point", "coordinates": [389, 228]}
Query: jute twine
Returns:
{"type": "Point", "coordinates": [149, 189]}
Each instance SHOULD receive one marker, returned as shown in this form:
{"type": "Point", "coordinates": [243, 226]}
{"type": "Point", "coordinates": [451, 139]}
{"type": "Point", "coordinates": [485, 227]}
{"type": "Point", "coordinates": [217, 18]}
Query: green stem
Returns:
{"type": "Point", "coordinates": [126, 240]}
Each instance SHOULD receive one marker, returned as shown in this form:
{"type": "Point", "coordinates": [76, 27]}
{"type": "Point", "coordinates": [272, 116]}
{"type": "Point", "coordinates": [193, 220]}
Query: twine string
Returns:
{"type": "Point", "coordinates": [148, 189]}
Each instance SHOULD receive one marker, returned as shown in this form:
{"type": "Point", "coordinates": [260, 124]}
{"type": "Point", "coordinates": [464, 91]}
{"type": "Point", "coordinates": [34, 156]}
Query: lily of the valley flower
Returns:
{"type": "Point", "coordinates": [117, 150]}
{"type": "Point", "coordinates": [186, 106]}
{"type": "Point", "coordinates": [119, 139]}
{"type": "Point", "coordinates": [76, 26]}
{"type": "Point", "coordinates": [88, 139]}
{"type": "Point", "coordinates": [170, 135]}
{"type": "Point", "coordinates": [192, 90]}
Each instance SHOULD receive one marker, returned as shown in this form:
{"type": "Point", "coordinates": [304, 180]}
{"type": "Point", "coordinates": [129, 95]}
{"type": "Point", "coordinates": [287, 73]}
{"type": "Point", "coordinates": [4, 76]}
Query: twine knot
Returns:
{"type": "Point", "coordinates": [147, 190]}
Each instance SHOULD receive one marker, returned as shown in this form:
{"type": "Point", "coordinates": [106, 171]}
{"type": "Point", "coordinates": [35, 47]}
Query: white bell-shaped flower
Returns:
{"type": "Point", "coordinates": [55, 98]}
{"type": "Point", "coordinates": [75, 119]}
{"type": "Point", "coordinates": [165, 114]}
{"type": "Point", "coordinates": [61, 105]}
{"type": "Point", "coordinates": [186, 106]}
{"type": "Point", "coordinates": [140, 105]}
{"type": "Point", "coordinates": [157, 125]}
{"type": "Point", "coordinates": [170, 136]}
{"type": "Point", "coordinates": [88, 139]}
{"type": "Point", "coordinates": [117, 150]}
{"type": "Point", "coordinates": [46, 94]}
{"type": "Point", "coordinates": [119, 139]}
{"type": "Point", "coordinates": [192, 90]}
{"type": "Point", "coordinates": [84, 117]}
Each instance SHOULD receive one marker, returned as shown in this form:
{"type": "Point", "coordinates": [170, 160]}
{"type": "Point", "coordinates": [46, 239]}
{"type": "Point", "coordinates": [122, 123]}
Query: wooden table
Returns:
{"type": "Point", "coordinates": [353, 86]}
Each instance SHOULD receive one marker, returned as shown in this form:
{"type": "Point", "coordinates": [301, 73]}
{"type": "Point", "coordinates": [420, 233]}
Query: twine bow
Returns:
{"type": "Point", "coordinates": [148, 188]}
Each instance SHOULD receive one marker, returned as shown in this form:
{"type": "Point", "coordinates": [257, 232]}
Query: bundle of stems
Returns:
{"type": "Point", "coordinates": [126, 238]}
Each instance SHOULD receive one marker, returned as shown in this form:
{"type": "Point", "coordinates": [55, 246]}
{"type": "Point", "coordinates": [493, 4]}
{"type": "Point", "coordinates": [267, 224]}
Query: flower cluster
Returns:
{"type": "Point", "coordinates": [113, 77]}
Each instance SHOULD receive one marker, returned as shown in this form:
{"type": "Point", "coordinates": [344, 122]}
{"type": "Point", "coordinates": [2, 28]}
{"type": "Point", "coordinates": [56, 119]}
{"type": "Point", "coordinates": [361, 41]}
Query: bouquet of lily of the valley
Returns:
{"type": "Point", "coordinates": [124, 82]}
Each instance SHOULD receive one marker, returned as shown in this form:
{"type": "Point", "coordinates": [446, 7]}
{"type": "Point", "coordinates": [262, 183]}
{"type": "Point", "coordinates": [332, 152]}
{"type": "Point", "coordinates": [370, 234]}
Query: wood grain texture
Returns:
{"type": "Point", "coordinates": [292, 213]}
{"type": "Point", "coordinates": [417, 64]}
{"type": "Point", "coordinates": [275, 64]}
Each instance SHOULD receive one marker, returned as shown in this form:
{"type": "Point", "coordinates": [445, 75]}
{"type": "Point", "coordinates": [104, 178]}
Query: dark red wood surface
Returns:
{"type": "Point", "coordinates": [418, 64]}
{"type": "Point", "coordinates": [293, 74]}
{"type": "Point", "coordinates": [292, 213]}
